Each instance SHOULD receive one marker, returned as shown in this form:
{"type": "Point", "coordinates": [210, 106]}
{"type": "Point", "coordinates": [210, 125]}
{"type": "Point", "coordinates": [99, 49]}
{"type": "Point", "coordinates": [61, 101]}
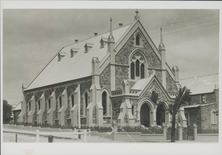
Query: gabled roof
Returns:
{"type": "Point", "coordinates": [76, 67]}
{"type": "Point", "coordinates": [201, 84]}
{"type": "Point", "coordinates": [18, 107]}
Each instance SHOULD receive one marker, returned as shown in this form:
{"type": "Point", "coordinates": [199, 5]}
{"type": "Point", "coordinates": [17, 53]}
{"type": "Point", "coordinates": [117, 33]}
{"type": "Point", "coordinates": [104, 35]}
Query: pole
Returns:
{"type": "Point", "coordinates": [79, 106]}
{"type": "Point", "coordinates": [16, 137]}
{"type": "Point", "coordinates": [37, 136]}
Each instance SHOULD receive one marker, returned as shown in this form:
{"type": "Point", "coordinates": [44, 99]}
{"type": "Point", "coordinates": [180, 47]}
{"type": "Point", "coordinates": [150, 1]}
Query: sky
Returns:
{"type": "Point", "coordinates": [32, 37]}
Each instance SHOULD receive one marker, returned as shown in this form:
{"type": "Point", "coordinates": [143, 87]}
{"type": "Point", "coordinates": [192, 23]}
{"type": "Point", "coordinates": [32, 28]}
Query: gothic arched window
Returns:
{"type": "Point", "coordinates": [49, 103]}
{"type": "Point", "coordinates": [39, 105]}
{"type": "Point", "coordinates": [104, 102]}
{"type": "Point", "coordinates": [142, 71]}
{"type": "Point", "coordinates": [60, 102]}
{"type": "Point", "coordinates": [137, 67]}
{"type": "Point", "coordinates": [137, 39]}
{"type": "Point", "coordinates": [72, 100]}
{"type": "Point", "coordinates": [29, 106]}
{"type": "Point", "coordinates": [132, 109]}
{"type": "Point", "coordinates": [132, 71]}
{"type": "Point", "coordinates": [86, 99]}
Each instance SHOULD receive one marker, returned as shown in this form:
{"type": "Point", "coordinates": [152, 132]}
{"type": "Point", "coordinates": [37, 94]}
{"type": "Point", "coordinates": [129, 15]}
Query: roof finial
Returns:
{"type": "Point", "coordinates": [111, 38]}
{"type": "Point", "coordinates": [137, 17]}
{"type": "Point", "coordinates": [161, 45]}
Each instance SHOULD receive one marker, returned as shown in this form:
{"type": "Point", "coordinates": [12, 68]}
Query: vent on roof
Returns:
{"type": "Point", "coordinates": [60, 56]}
{"type": "Point", "coordinates": [103, 42]}
{"type": "Point", "coordinates": [73, 51]}
{"type": "Point", "coordinates": [76, 41]}
{"type": "Point", "coordinates": [95, 34]}
{"type": "Point", "coordinates": [88, 46]}
{"type": "Point", "coordinates": [120, 24]}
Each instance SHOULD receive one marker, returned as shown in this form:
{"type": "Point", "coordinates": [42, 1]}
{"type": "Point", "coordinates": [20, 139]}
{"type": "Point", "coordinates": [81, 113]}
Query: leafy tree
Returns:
{"type": "Point", "coordinates": [182, 98]}
{"type": "Point", "coordinates": [7, 111]}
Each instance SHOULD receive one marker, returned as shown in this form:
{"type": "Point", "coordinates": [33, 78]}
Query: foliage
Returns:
{"type": "Point", "coordinates": [149, 130]}
{"type": "Point", "coordinates": [7, 111]}
{"type": "Point", "coordinates": [182, 98]}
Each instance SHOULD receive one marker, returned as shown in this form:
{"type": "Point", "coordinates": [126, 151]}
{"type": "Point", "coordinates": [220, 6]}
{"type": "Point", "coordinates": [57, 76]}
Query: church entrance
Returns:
{"type": "Point", "coordinates": [160, 115]}
{"type": "Point", "coordinates": [145, 115]}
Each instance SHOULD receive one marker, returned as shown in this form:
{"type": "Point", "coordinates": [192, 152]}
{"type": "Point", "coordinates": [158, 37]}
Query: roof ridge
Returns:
{"type": "Point", "coordinates": [96, 35]}
{"type": "Point", "coordinates": [199, 76]}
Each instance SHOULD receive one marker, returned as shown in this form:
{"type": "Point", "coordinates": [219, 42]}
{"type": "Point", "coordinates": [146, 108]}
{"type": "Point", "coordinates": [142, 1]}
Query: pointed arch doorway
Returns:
{"type": "Point", "coordinates": [160, 114]}
{"type": "Point", "coordinates": [145, 115]}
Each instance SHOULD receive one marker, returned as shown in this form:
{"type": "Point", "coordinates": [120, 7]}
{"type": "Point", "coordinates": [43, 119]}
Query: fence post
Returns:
{"type": "Point", "coordinates": [194, 131]}
{"type": "Point", "coordinates": [114, 130]}
{"type": "Point", "coordinates": [16, 137]}
{"type": "Point", "coordinates": [89, 133]}
{"type": "Point", "coordinates": [37, 136]}
{"type": "Point", "coordinates": [50, 139]}
{"type": "Point", "coordinates": [85, 139]}
{"type": "Point", "coordinates": [164, 132]}
{"type": "Point", "coordinates": [75, 134]}
{"type": "Point", "coordinates": [180, 134]}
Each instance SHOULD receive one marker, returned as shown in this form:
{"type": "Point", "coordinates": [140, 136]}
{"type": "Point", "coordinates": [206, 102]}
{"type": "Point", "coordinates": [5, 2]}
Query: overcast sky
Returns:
{"type": "Point", "coordinates": [31, 38]}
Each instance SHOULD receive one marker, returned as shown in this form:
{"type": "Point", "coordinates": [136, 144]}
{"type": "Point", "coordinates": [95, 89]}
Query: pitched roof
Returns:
{"type": "Point", "coordinates": [78, 66]}
{"type": "Point", "coordinates": [201, 84]}
{"type": "Point", "coordinates": [18, 107]}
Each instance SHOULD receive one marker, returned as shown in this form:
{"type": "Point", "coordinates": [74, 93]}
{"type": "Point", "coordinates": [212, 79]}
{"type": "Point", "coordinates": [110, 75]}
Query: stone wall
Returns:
{"type": "Point", "coordinates": [47, 95]}
{"type": "Point", "coordinates": [58, 92]}
{"type": "Point", "coordinates": [105, 79]}
{"type": "Point", "coordinates": [83, 87]}
{"type": "Point", "coordinates": [206, 117]}
{"type": "Point", "coordinates": [27, 96]}
{"type": "Point", "coordinates": [195, 99]}
{"type": "Point", "coordinates": [171, 86]}
{"type": "Point", "coordinates": [116, 108]}
{"type": "Point", "coordinates": [210, 98]}
{"type": "Point", "coordinates": [121, 74]}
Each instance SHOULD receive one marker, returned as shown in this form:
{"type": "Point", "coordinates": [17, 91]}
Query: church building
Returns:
{"type": "Point", "coordinates": [119, 76]}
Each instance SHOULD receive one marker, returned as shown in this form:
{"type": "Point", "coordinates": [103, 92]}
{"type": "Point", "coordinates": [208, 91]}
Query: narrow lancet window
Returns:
{"type": "Point", "coordinates": [142, 71]}
{"type": "Point", "coordinates": [132, 71]}
{"type": "Point", "coordinates": [137, 67]}
{"type": "Point", "coordinates": [104, 99]}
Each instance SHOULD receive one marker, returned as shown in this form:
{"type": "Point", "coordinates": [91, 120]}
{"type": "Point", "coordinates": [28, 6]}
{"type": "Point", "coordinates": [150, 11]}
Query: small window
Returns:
{"type": "Point", "coordinates": [60, 101]}
{"type": "Point", "coordinates": [133, 110]}
{"type": "Point", "coordinates": [132, 71]}
{"type": "Point", "coordinates": [86, 100]}
{"type": "Point", "coordinates": [142, 71]}
{"type": "Point", "coordinates": [72, 100]}
{"type": "Point", "coordinates": [104, 100]}
{"type": "Point", "coordinates": [203, 98]}
{"type": "Point", "coordinates": [214, 117]}
{"type": "Point", "coordinates": [137, 67]}
{"type": "Point", "coordinates": [29, 106]}
{"type": "Point", "coordinates": [49, 103]}
{"type": "Point", "coordinates": [137, 40]}
{"type": "Point", "coordinates": [39, 105]}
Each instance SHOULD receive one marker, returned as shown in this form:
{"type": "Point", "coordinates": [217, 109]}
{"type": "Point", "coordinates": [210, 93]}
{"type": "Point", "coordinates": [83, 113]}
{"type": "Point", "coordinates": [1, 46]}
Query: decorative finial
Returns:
{"type": "Point", "coordinates": [161, 45]}
{"type": "Point", "coordinates": [111, 38]}
{"type": "Point", "coordinates": [137, 17]}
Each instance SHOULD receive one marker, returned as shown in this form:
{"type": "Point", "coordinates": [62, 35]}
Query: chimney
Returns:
{"type": "Point", "coordinates": [120, 24]}
{"type": "Point", "coordinates": [76, 41]}
{"type": "Point", "coordinates": [95, 34]}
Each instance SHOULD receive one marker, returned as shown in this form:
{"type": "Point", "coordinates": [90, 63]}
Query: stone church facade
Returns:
{"type": "Point", "coordinates": [111, 77]}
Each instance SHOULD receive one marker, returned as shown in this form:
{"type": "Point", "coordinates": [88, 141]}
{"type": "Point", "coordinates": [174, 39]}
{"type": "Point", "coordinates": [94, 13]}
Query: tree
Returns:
{"type": "Point", "coordinates": [7, 111]}
{"type": "Point", "coordinates": [182, 98]}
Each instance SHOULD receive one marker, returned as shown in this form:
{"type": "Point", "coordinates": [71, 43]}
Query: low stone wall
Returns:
{"type": "Point", "coordinates": [208, 137]}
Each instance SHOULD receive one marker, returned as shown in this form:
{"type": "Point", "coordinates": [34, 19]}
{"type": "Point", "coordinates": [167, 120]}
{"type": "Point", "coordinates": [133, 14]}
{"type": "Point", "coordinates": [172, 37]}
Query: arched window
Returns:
{"type": "Point", "coordinates": [29, 106]}
{"type": "Point", "coordinates": [86, 100]}
{"type": "Point", "coordinates": [160, 114]}
{"type": "Point", "coordinates": [132, 109]}
{"type": "Point", "coordinates": [72, 100]}
{"type": "Point", "coordinates": [137, 40]}
{"type": "Point", "coordinates": [142, 71]}
{"type": "Point", "coordinates": [60, 101]}
{"type": "Point", "coordinates": [188, 118]}
{"type": "Point", "coordinates": [104, 102]}
{"type": "Point", "coordinates": [137, 67]}
{"type": "Point", "coordinates": [214, 117]}
{"type": "Point", "coordinates": [49, 103]}
{"type": "Point", "coordinates": [132, 71]}
{"type": "Point", "coordinates": [39, 105]}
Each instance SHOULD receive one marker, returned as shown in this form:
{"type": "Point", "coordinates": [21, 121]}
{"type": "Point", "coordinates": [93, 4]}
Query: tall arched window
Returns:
{"type": "Point", "coordinates": [137, 40]}
{"type": "Point", "coordinates": [39, 105]}
{"type": "Point", "coordinates": [137, 67]}
{"type": "Point", "coordinates": [132, 71]}
{"type": "Point", "coordinates": [132, 109]}
{"type": "Point", "coordinates": [214, 117]}
{"type": "Point", "coordinates": [72, 100]}
{"type": "Point", "coordinates": [188, 118]}
{"type": "Point", "coordinates": [104, 102]}
{"type": "Point", "coordinates": [60, 101]}
{"type": "Point", "coordinates": [29, 106]}
{"type": "Point", "coordinates": [142, 71]}
{"type": "Point", "coordinates": [86, 100]}
{"type": "Point", "coordinates": [49, 103]}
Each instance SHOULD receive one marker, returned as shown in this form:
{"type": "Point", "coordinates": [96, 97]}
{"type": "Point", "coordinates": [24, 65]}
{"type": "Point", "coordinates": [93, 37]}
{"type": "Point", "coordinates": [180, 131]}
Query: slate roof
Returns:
{"type": "Point", "coordinates": [78, 66]}
{"type": "Point", "coordinates": [201, 84]}
{"type": "Point", "coordinates": [18, 107]}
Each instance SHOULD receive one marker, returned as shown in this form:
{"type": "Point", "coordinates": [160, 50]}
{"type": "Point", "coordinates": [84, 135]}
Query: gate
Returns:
{"type": "Point", "coordinates": [188, 133]}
